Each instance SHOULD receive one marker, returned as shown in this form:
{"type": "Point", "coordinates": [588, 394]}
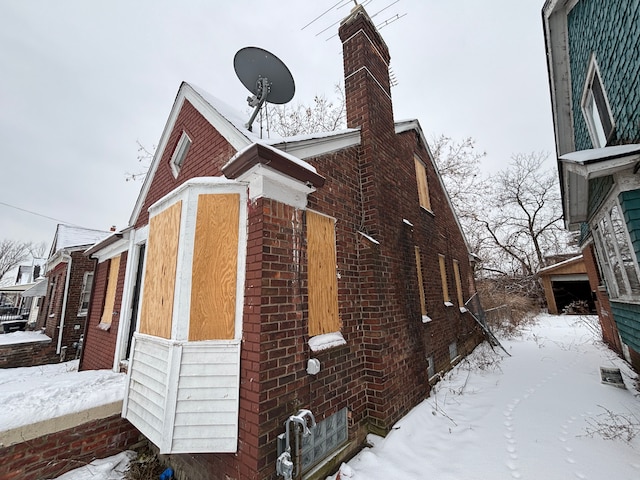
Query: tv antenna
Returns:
{"type": "Point", "coordinates": [265, 76]}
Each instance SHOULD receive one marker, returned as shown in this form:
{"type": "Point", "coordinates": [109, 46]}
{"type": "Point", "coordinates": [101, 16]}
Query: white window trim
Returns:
{"type": "Point", "coordinates": [600, 249]}
{"type": "Point", "coordinates": [86, 289]}
{"type": "Point", "coordinates": [588, 103]}
{"type": "Point", "coordinates": [180, 153]}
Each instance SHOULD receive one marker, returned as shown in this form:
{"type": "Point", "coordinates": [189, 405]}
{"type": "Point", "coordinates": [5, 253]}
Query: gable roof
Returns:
{"type": "Point", "coordinates": [68, 236]}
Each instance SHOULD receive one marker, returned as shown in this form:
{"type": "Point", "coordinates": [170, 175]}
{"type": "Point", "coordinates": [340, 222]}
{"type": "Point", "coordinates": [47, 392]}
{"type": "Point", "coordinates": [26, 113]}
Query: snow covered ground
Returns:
{"type": "Point", "coordinates": [542, 413]}
{"type": "Point", "coordinates": [33, 394]}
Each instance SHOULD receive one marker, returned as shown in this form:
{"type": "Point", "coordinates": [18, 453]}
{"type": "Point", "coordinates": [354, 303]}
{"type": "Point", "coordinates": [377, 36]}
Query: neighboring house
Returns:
{"type": "Point", "coordinates": [69, 275]}
{"type": "Point", "coordinates": [262, 278]}
{"type": "Point", "coordinates": [593, 52]}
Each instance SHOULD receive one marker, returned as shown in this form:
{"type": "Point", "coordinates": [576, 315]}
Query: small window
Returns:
{"type": "Point", "coordinates": [431, 367]}
{"type": "Point", "coordinates": [443, 278]}
{"type": "Point", "coordinates": [423, 302]}
{"type": "Point", "coordinates": [108, 310]}
{"type": "Point", "coordinates": [595, 108]}
{"type": "Point", "coordinates": [453, 351]}
{"type": "Point", "coordinates": [456, 274]}
{"type": "Point", "coordinates": [180, 153]}
{"type": "Point", "coordinates": [423, 187]}
{"type": "Point", "coordinates": [85, 294]}
{"type": "Point", "coordinates": [322, 271]}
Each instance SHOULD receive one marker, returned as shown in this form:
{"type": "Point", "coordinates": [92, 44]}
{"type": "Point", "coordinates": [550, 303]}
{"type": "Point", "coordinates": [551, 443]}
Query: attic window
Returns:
{"type": "Point", "coordinates": [180, 153]}
{"type": "Point", "coordinates": [595, 108]}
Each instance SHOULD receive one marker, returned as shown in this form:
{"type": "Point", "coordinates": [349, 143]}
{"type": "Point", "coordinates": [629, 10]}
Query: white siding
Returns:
{"type": "Point", "coordinates": [184, 396]}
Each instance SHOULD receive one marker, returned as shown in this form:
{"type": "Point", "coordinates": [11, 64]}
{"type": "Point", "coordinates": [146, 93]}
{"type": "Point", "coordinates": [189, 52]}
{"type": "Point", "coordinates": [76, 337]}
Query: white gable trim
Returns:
{"type": "Point", "coordinates": [186, 92]}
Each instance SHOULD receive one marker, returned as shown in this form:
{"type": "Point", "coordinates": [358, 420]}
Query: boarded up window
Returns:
{"type": "Point", "coordinates": [215, 263]}
{"type": "Point", "coordinates": [456, 274]}
{"type": "Point", "coordinates": [443, 278]}
{"type": "Point", "coordinates": [160, 272]}
{"type": "Point", "coordinates": [110, 296]}
{"type": "Point", "coordinates": [423, 303]}
{"type": "Point", "coordinates": [323, 282]}
{"type": "Point", "coordinates": [423, 188]}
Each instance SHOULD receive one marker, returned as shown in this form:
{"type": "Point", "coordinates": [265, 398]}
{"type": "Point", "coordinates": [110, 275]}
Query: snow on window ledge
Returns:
{"type": "Point", "coordinates": [326, 341]}
{"type": "Point", "coordinates": [448, 304]}
{"type": "Point", "coordinates": [426, 319]}
{"type": "Point", "coordinates": [463, 310]}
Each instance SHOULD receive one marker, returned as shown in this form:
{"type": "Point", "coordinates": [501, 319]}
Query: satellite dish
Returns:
{"type": "Point", "coordinates": [265, 76]}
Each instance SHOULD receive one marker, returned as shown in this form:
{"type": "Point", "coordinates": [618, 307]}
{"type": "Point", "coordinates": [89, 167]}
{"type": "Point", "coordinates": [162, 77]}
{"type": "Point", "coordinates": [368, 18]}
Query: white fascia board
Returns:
{"type": "Point", "coordinates": [601, 168]}
{"type": "Point", "coordinates": [216, 119]}
{"type": "Point", "coordinates": [313, 147]}
{"type": "Point", "coordinates": [113, 250]}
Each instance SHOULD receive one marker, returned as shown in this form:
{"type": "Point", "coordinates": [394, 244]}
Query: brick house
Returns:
{"type": "Point", "coordinates": [261, 279]}
{"type": "Point", "coordinates": [593, 59]}
{"type": "Point", "coordinates": [69, 275]}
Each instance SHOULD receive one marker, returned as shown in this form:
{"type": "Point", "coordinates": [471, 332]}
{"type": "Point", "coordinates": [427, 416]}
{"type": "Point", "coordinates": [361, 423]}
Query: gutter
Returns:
{"type": "Point", "coordinates": [64, 301]}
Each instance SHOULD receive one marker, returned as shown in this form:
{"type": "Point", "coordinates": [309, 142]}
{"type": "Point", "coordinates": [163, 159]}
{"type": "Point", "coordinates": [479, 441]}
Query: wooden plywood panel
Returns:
{"type": "Point", "coordinates": [423, 187]}
{"type": "Point", "coordinates": [323, 282]}
{"type": "Point", "coordinates": [443, 278]}
{"type": "Point", "coordinates": [160, 272]}
{"type": "Point", "coordinates": [456, 273]}
{"type": "Point", "coordinates": [110, 296]}
{"type": "Point", "coordinates": [215, 265]}
{"type": "Point", "coordinates": [423, 302]}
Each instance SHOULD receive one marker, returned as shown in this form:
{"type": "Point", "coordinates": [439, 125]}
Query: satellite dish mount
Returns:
{"type": "Point", "coordinates": [265, 76]}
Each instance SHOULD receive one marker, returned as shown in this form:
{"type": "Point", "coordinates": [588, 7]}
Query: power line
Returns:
{"type": "Point", "coordinates": [38, 214]}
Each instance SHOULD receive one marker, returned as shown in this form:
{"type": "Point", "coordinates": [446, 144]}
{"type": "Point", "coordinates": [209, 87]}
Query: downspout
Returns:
{"type": "Point", "coordinates": [64, 302]}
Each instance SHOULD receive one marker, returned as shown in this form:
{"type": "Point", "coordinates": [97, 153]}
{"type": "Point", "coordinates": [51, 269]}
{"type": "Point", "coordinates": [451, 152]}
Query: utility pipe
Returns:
{"type": "Point", "coordinates": [64, 302]}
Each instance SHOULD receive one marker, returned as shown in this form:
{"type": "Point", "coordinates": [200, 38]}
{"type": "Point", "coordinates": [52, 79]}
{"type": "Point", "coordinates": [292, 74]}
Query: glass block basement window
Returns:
{"type": "Point", "coordinates": [328, 436]}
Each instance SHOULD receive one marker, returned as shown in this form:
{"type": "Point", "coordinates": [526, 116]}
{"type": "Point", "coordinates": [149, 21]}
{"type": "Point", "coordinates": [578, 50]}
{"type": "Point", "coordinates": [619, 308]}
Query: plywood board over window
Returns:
{"type": "Point", "coordinates": [456, 273]}
{"type": "Point", "coordinates": [215, 264]}
{"type": "Point", "coordinates": [323, 281]}
{"type": "Point", "coordinates": [423, 187]}
{"type": "Point", "coordinates": [423, 302]}
{"type": "Point", "coordinates": [160, 273]}
{"type": "Point", "coordinates": [110, 296]}
{"type": "Point", "coordinates": [443, 278]}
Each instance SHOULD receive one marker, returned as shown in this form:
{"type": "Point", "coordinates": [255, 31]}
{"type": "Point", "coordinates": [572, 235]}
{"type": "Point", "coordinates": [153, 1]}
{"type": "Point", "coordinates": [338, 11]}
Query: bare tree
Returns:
{"type": "Point", "coordinates": [323, 115]}
{"type": "Point", "coordinates": [145, 157]}
{"type": "Point", "coordinates": [12, 253]}
{"type": "Point", "coordinates": [523, 218]}
{"type": "Point", "coordinates": [459, 164]}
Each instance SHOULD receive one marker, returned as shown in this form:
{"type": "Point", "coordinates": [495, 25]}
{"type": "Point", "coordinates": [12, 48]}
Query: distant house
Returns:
{"type": "Point", "coordinates": [593, 52]}
{"type": "Point", "coordinates": [69, 275]}
{"type": "Point", "coordinates": [269, 281]}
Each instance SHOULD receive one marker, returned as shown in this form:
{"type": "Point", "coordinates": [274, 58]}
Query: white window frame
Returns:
{"type": "Point", "coordinates": [87, 283]}
{"type": "Point", "coordinates": [591, 111]}
{"type": "Point", "coordinates": [625, 288]}
{"type": "Point", "coordinates": [180, 153]}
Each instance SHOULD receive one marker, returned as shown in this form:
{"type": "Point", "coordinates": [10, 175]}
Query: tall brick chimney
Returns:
{"type": "Point", "coordinates": [366, 75]}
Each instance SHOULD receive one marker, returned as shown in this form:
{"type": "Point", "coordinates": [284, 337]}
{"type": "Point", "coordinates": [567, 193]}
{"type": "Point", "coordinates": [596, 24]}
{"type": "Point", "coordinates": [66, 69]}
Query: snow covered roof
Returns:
{"type": "Point", "coordinates": [564, 263]}
{"type": "Point", "coordinates": [39, 289]}
{"type": "Point", "coordinates": [577, 168]}
{"type": "Point", "coordinates": [68, 236]}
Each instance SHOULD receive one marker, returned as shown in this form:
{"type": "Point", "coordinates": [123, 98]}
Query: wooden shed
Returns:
{"type": "Point", "coordinates": [566, 282]}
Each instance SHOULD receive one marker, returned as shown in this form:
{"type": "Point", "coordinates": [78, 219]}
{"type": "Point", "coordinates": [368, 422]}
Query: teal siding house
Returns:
{"type": "Point", "coordinates": [593, 60]}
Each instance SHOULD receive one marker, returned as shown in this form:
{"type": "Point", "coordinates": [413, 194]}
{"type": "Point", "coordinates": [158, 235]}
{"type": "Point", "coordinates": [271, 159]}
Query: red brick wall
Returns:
{"type": "Point", "coordinates": [207, 155]}
{"type": "Point", "coordinates": [28, 354]}
{"type": "Point", "coordinates": [99, 345]}
{"type": "Point", "coordinates": [52, 455]}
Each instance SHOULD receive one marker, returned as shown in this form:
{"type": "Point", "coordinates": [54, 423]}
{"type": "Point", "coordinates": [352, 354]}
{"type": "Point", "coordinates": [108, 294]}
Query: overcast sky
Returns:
{"type": "Point", "coordinates": [81, 81]}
